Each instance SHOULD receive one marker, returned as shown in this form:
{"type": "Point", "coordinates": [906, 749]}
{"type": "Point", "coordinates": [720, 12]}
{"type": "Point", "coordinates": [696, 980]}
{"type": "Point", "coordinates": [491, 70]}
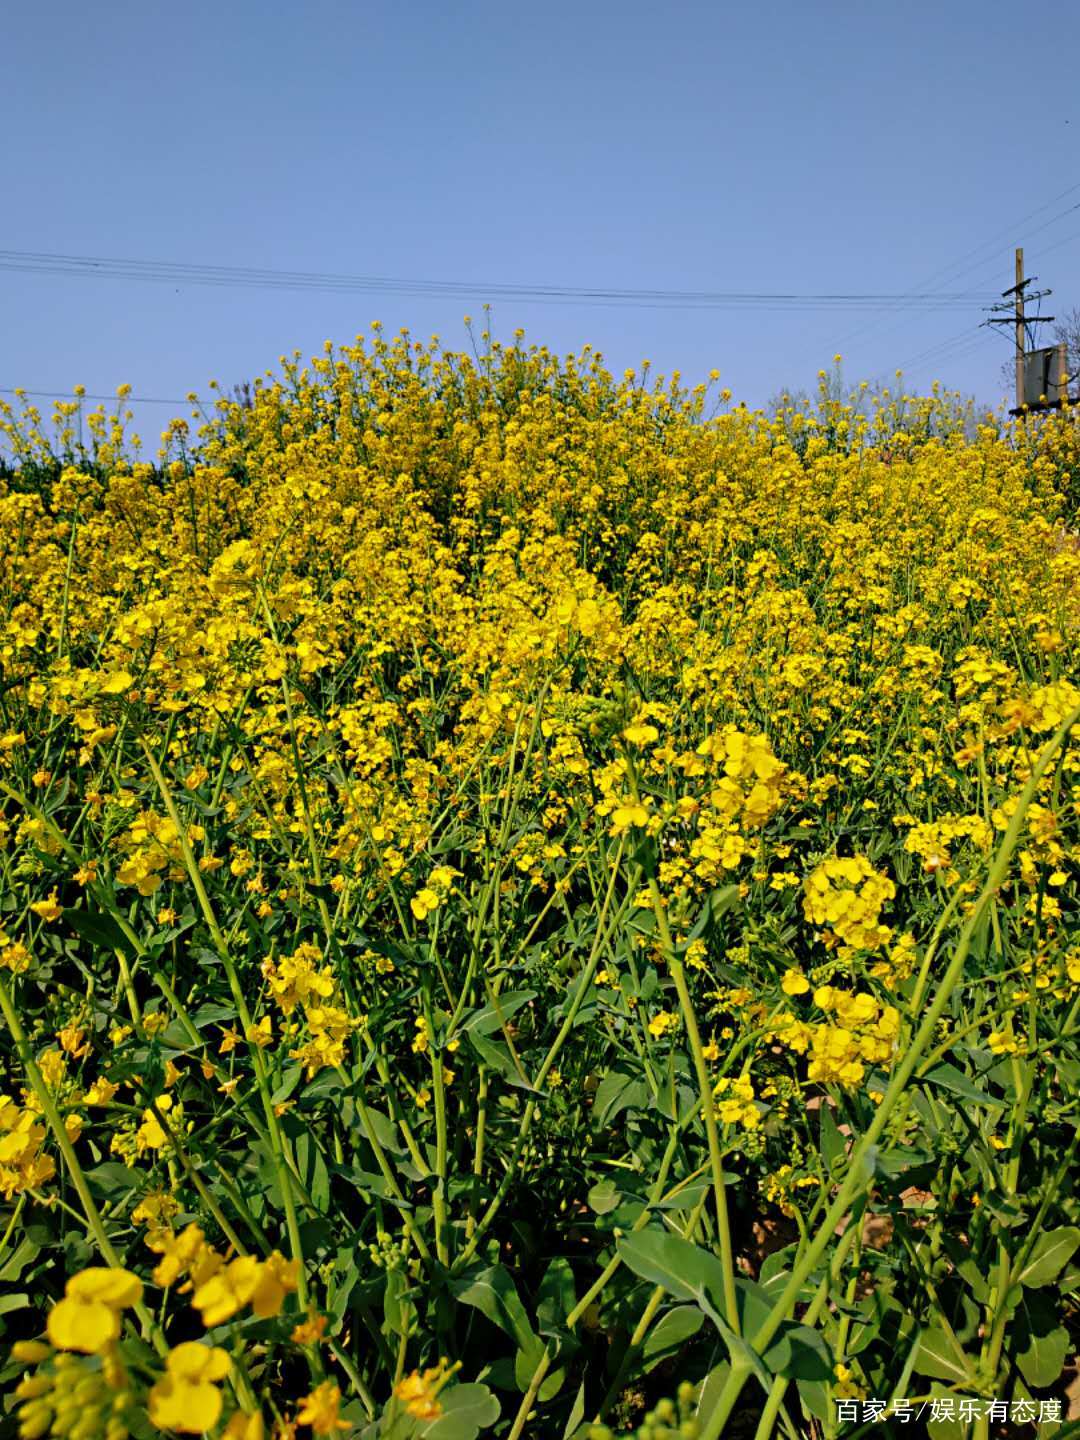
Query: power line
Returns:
{"type": "Point", "coordinates": [985, 244]}
{"type": "Point", "coordinates": [168, 272]}
{"type": "Point", "coordinates": [941, 346]}
{"type": "Point", "coordinates": [61, 395]}
{"type": "Point", "coordinates": [1068, 239]}
{"type": "Point", "coordinates": [959, 350]}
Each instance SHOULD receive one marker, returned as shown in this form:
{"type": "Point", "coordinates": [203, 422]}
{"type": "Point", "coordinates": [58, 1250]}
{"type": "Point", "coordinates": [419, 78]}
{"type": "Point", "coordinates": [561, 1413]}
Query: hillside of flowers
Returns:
{"type": "Point", "coordinates": [539, 905]}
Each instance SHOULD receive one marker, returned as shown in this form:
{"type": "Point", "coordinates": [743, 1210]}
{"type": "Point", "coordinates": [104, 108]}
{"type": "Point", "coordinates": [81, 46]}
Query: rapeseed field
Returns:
{"type": "Point", "coordinates": [541, 905]}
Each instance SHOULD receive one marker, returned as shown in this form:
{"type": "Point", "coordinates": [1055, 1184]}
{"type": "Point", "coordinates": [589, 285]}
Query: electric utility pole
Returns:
{"type": "Point", "coordinates": [1019, 318]}
{"type": "Point", "coordinates": [1021, 334]}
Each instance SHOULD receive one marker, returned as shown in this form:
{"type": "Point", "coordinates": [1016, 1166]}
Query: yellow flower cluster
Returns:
{"type": "Point", "coordinates": [262, 1284]}
{"type": "Point", "coordinates": [23, 1165]}
{"type": "Point", "coordinates": [221, 1287]}
{"type": "Point", "coordinates": [432, 895]}
{"type": "Point", "coordinates": [419, 1391]}
{"type": "Point", "coordinates": [735, 1102]}
{"type": "Point", "coordinates": [296, 980]}
{"type": "Point", "coordinates": [151, 846]}
{"type": "Point", "coordinates": [931, 841]}
{"type": "Point", "coordinates": [661, 1023]}
{"type": "Point", "coordinates": [860, 1031]}
{"type": "Point", "coordinates": [779, 1188]}
{"type": "Point", "coordinates": [64, 1397]}
{"type": "Point", "coordinates": [846, 895]}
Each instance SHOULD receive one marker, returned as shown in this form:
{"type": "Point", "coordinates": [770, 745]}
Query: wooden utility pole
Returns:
{"type": "Point", "coordinates": [1017, 316]}
{"type": "Point", "coordinates": [1020, 332]}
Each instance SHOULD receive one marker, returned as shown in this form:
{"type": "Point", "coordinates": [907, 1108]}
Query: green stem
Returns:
{"type": "Point", "coordinates": [860, 1172]}
{"type": "Point", "coordinates": [705, 1089]}
{"type": "Point", "coordinates": [277, 1141]}
{"type": "Point", "coordinates": [63, 1142]}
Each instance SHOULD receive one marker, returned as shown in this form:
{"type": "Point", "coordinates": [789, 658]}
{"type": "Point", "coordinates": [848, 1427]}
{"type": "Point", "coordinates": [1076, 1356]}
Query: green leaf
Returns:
{"type": "Point", "coordinates": [326, 1084]}
{"type": "Point", "coordinates": [688, 1196]}
{"type": "Point", "coordinates": [776, 1263]}
{"type": "Point", "coordinates": [293, 1076]}
{"type": "Point", "coordinates": [670, 1334]}
{"type": "Point", "coordinates": [385, 1131]}
{"type": "Point", "coordinates": [112, 1179]}
{"type": "Point", "coordinates": [313, 1171]}
{"type": "Point", "coordinates": [497, 1057]}
{"type": "Point", "coordinates": [800, 1353]}
{"type": "Point", "coordinates": [832, 1142]}
{"type": "Point", "coordinates": [490, 1018]}
{"type": "Point", "coordinates": [210, 1014]}
{"type": "Point", "coordinates": [494, 1294]}
{"type": "Point", "coordinates": [17, 1262]}
{"type": "Point", "coordinates": [1048, 1257]}
{"type": "Point", "coordinates": [936, 1356]}
{"type": "Point", "coordinates": [717, 904]}
{"type": "Point", "coordinates": [603, 1197]}
{"type": "Point", "coordinates": [100, 929]}
{"type": "Point", "coordinates": [948, 1077]}
{"type": "Point", "coordinates": [754, 1303]}
{"type": "Point", "coordinates": [620, 1088]}
{"type": "Point", "coordinates": [577, 1413]}
{"type": "Point", "coordinates": [556, 1296]}
{"type": "Point", "coordinates": [367, 1180]}
{"type": "Point", "coordinates": [526, 1362]}
{"type": "Point", "coordinates": [684, 1270]}
{"type": "Point", "coordinates": [1008, 1214]}
{"type": "Point", "coordinates": [967, 1267]}
{"type": "Point", "coordinates": [467, 1409]}
{"type": "Point", "coordinates": [1041, 1342]}
{"type": "Point", "coordinates": [954, 1429]}
{"type": "Point", "coordinates": [814, 1395]}
{"type": "Point", "coordinates": [711, 1390]}
{"type": "Point", "coordinates": [688, 1272]}
{"type": "Point", "coordinates": [721, 900]}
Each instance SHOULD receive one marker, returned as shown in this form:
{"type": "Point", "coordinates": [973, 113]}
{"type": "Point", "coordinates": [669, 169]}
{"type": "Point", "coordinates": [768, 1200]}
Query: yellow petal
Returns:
{"type": "Point", "coordinates": [112, 1286]}
{"type": "Point", "coordinates": [86, 1325]}
{"type": "Point", "coordinates": [117, 683]}
{"type": "Point", "coordinates": [191, 1361]}
{"type": "Point", "coordinates": [179, 1405]}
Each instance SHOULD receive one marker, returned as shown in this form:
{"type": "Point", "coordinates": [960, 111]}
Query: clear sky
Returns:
{"type": "Point", "coordinates": [802, 146]}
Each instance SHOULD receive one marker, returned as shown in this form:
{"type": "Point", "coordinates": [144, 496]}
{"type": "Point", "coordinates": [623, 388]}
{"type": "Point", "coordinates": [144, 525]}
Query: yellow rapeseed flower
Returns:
{"type": "Point", "coordinates": [88, 1317]}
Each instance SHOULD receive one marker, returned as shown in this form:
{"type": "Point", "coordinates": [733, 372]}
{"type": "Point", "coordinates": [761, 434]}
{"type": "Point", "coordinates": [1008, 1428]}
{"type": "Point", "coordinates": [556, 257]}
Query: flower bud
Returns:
{"type": "Point", "coordinates": [33, 1386]}
{"type": "Point", "coordinates": [31, 1352]}
{"type": "Point", "coordinates": [88, 1427]}
{"type": "Point", "coordinates": [35, 1419]}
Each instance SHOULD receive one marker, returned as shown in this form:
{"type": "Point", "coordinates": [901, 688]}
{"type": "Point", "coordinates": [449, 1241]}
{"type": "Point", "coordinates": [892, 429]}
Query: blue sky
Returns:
{"type": "Point", "coordinates": [789, 147]}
